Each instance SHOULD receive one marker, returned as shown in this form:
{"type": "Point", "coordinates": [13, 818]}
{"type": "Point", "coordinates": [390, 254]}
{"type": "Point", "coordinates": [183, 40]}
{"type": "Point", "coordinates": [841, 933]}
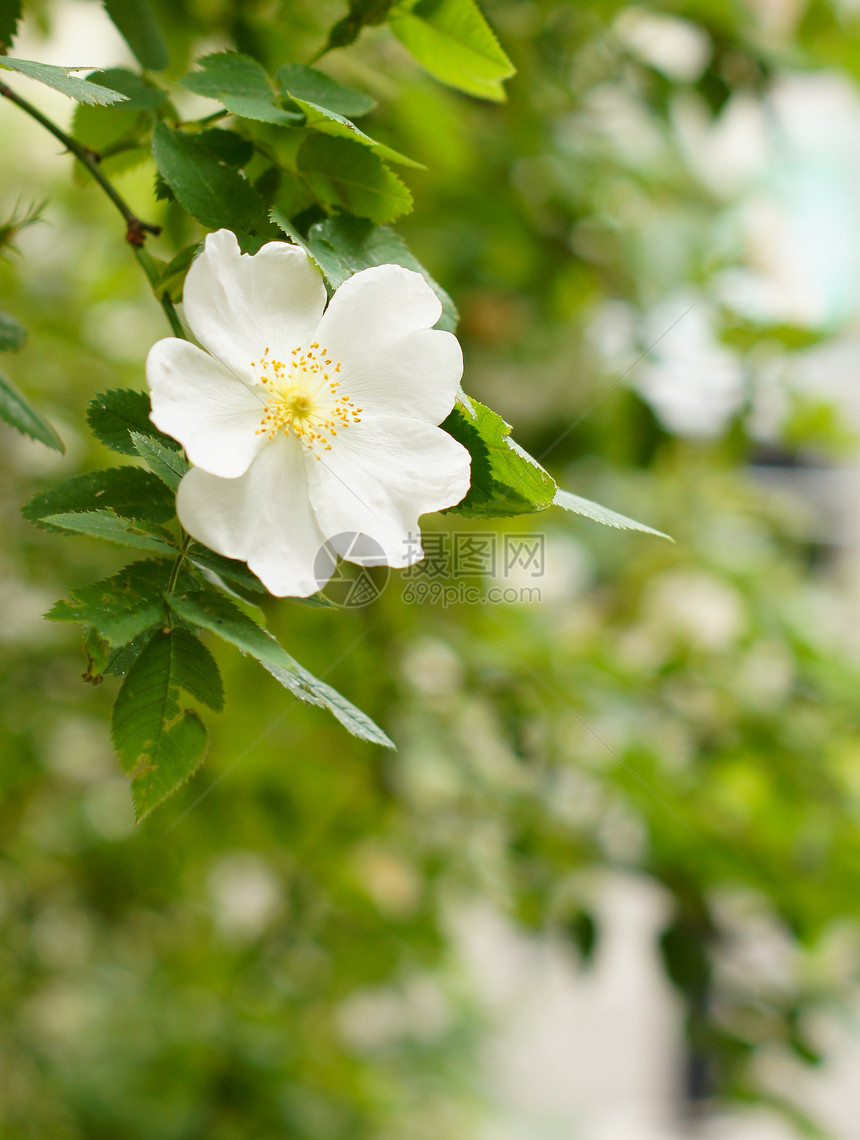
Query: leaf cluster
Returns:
{"type": "Point", "coordinates": [144, 623]}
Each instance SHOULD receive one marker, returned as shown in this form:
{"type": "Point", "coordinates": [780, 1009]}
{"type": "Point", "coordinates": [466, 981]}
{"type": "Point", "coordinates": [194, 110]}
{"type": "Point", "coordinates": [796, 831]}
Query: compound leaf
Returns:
{"type": "Point", "coordinates": [213, 611]}
{"type": "Point", "coordinates": [159, 744]}
{"type": "Point", "coordinates": [241, 85]}
{"type": "Point", "coordinates": [345, 173]}
{"type": "Point", "coordinates": [122, 607]}
{"type": "Point", "coordinates": [129, 491]}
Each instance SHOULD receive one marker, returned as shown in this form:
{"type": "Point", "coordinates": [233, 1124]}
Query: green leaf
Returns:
{"type": "Point", "coordinates": [328, 123]}
{"type": "Point", "coordinates": [207, 187]}
{"type": "Point", "coordinates": [128, 491]}
{"type": "Point", "coordinates": [505, 479]}
{"type": "Point", "coordinates": [109, 526]}
{"type": "Point", "coordinates": [136, 24]}
{"type": "Point", "coordinates": [142, 95]}
{"type": "Point", "coordinates": [10, 14]}
{"type": "Point", "coordinates": [303, 82]}
{"type": "Point", "coordinates": [122, 659]}
{"type": "Point", "coordinates": [12, 334]}
{"type": "Point", "coordinates": [215, 612]}
{"type": "Point", "coordinates": [230, 569]}
{"type": "Point", "coordinates": [453, 41]}
{"type": "Point", "coordinates": [169, 465]}
{"type": "Point", "coordinates": [119, 128]}
{"type": "Point", "coordinates": [61, 79]}
{"type": "Point", "coordinates": [595, 511]}
{"type": "Point", "coordinates": [173, 277]}
{"type": "Point", "coordinates": [242, 85]}
{"type": "Point", "coordinates": [122, 607]}
{"type": "Point", "coordinates": [112, 415]}
{"type": "Point", "coordinates": [159, 744]}
{"type": "Point", "coordinates": [226, 146]}
{"type": "Point", "coordinates": [344, 245]}
{"type": "Point", "coordinates": [16, 411]}
{"type": "Point", "coordinates": [345, 173]}
{"type": "Point", "coordinates": [312, 690]}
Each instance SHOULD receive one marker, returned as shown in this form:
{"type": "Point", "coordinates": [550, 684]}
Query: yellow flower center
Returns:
{"type": "Point", "coordinates": [302, 397]}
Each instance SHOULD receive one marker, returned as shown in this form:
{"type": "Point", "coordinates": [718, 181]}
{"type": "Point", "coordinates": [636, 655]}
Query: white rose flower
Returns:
{"type": "Point", "coordinates": [304, 422]}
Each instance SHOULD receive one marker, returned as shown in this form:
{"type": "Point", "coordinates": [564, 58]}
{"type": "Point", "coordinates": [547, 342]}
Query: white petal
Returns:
{"type": "Point", "coordinates": [416, 376]}
{"type": "Point", "coordinates": [237, 305]}
{"type": "Point", "coordinates": [197, 401]}
{"type": "Point", "coordinates": [263, 518]}
{"type": "Point", "coordinates": [381, 474]}
{"type": "Point", "coordinates": [378, 326]}
{"type": "Point", "coordinates": [385, 301]}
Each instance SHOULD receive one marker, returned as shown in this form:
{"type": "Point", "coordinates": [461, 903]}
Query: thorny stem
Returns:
{"type": "Point", "coordinates": [136, 229]}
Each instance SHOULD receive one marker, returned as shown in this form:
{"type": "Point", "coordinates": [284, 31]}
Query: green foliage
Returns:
{"type": "Point", "coordinates": [230, 570]}
{"type": "Point", "coordinates": [298, 81]}
{"type": "Point", "coordinates": [128, 491]}
{"type": "Point", "coordinates": [505, 479]}
{"type": "Point", "coordinates": [12, 333]}
{"type": "Point", "coordinates": [122, 607]}
{"type": "Point", "coordinates": [137, 25]}
{"type": "Point", "coordinates": [242, 85]}
{"type": "Point", "coordinates": [107, 524]}
{"type": "Point", "coordinates": [62, 80]}
{"type": "Point", "coordinates": [17, 411]}
{"type": "Point", "coordinates": [165, 462]}
{"type": "Point", "coordinates": [570, 502]}
{"type": "Point", "coordinates": [217, 613]}
{"type": "Point", "coordinates": [453, 41]}
{"type": "Point", "coordinates": [141, 93]}
{"type": "Point", "coordinates": [244, 88]}
{"type": "Point", "coordinates": [344, 173]}
{"type": "Point", "coordinates": [160, 744]}
{"type": "Point", "coordinates": [329, 123]}
{"type": "Point", "coordinates": [114, 414]}
{"type": "Point", "coordinates": [206, 186]}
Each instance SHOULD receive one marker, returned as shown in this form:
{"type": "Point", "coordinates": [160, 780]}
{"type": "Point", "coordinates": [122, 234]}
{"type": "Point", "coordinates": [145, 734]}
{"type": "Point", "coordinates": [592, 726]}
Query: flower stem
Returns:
{"type": "Point", "coordinates": [180, 558]}
{"type": "Point", "coordinates": [151, 270]}
{"type": "Point", "coordinates": [136, 229]}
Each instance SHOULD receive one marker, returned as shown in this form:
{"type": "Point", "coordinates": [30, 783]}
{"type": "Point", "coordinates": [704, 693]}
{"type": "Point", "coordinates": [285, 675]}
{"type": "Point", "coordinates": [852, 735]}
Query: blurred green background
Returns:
{"type": "Point", "coordinates": [654, 248]}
